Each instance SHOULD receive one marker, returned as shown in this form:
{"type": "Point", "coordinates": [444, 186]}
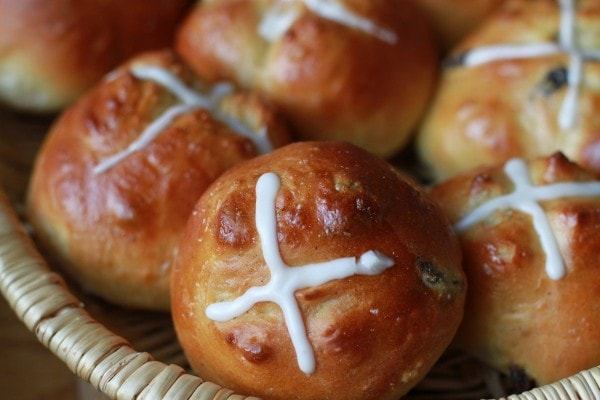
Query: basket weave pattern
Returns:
{"type": "Point", "coordinates": [41, 299]}
{"type": "Point", "coordinates": [44, 302]}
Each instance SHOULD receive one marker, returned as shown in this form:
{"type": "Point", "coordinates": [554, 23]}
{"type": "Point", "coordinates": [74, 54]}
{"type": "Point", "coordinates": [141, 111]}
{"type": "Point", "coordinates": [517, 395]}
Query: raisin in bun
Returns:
{"type": "Point", "coordinates": [51, 51]}
{"type": "Point", "coordinates": [363, 263]}
{"type": "Point", "coordinates": [523, 85]}
{"type": "Point", "coordinates": [121, 169]}
{"type": "Point", "coordinates": [356, 71]}
{"type": "Point", "coordinates": [530, 240]}
{"type": "Point", "coordinates": [453, 20]}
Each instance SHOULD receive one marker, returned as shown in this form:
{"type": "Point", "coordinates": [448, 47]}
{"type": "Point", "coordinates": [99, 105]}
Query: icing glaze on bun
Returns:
{"type": "Point", "coordinates": [121, 169]}
{"type": "Point", "coordinates": [316, 269]}
{"type": "Point", "coordinates": [355, 71]}
{"type": "Point", "coordinates": [529, 234]}
{"type": "Point", "coordinates": [522, 85]}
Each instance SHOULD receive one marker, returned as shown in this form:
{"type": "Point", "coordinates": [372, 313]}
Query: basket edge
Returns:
{"type": "Point", "coordinates": [112, 365]}
{"type": "Point", "coordinates": [50, 311]}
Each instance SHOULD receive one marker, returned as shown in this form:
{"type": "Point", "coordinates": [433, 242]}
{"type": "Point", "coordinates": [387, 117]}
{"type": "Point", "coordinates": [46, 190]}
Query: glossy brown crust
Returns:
{"type": "Point", "coordinates": [495, 111]}
{"type": "Point", "coordinates": [454, 20]}
{"type": "Point", "coordinates": [51, 51]}
{"type": "Point", "coordinates": [515, 314]}
{"type": "Point", "coordinates": [333, 82]}
{"type": "Point", "coordinates": [374, 336]}
{"type": "Point", "coordinates": [116, 232]}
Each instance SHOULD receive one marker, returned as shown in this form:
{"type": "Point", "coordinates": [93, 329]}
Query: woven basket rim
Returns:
{"type": "Point", "coordinates": [43, 302]}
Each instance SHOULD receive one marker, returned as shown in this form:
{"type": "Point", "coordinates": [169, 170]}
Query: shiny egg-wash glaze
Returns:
{"type": "Point", "coordinates": [120, 171]}
{"type": "Point", "coordinates": [374, 333]}
{"type": "Point", "coordinates": [356, 71]}
{"type": "Point", "coordinates": [529, 234]}
{"type": "Point", "coordinates": [522, 85]}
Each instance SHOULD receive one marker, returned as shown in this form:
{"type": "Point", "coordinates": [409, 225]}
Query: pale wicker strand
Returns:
{"type": "Point", "coordinates": [568, 388]}
{"type": "Point", "coordinates": [555, 392]}
{"type": "Point", "coordinates": [150, 378]}
{"type": "Point", "coordinates": [118, 373]}
{"type": "Point", "coordinates": [167, 378]}
{"type": "Point", "coordinates": [103, 370]}
{"type": "Point", "coordinates": [558, 392]}
{"type": "Point", "coordinates": [184, 389]}
{"type": "Point", "coordinates": [43, 302]}
{"type": "Point", "coordinates": [593, 375]}
{"type": "Point", "coordinates": [584, 385]}
{"type": "Point", "coordinates": [207, 391]}
{"type": "Point", "coordinates": [551, 393]}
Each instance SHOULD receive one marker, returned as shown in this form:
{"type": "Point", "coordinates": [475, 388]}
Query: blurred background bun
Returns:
{"type": "Point", "coordinates": [356, 71]}
{"type": "Point", "coordinates": [51, 51]}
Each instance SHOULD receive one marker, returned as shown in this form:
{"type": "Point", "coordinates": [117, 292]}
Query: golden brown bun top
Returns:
{"type": "Point", "coordinates": [118, 228]}
{"type": "Point", "coordinates": [374, 336]}
{"type": "Point", "coordinates": [51, 51]}
{"type": "Point", "coordinates": [530, 21]}
{"type": "Point", "coordinates": [491, 112]}
{"type": "Point", "coordinates": [334, 82]}
{"type": "Point", "coordinates": [517, 314]}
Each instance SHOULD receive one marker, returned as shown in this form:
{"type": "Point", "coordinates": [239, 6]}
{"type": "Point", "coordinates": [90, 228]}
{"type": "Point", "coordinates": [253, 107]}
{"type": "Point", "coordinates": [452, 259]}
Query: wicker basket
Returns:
{"type": "Point", "coordinates": [128, 354]}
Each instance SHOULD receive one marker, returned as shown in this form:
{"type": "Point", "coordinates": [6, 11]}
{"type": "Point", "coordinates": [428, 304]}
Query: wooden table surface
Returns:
{"type": "Point", "coordinates": [29, 371]}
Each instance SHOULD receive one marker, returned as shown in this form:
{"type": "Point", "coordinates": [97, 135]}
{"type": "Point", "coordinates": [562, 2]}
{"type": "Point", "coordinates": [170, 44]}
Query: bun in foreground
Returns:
{"type": "Point", "coordinates": [316, 271]}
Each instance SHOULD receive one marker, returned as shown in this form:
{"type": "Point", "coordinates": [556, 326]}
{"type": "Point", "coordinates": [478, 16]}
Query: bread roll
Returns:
{"type": "Point", "coordinates": [363, 264]}
{"type": "Point", "coordinates": [523, 85]}
{"type": "Point", "coordinates": [530, 241]}
{"type": "Point", "coordinates": [356, 71]}
{"type": "Point", "coordinates": [51, 51]}
{"type": "Point", "coordinates": [121, 169]}
{"type": "Point", "coordinates": [453, 20]}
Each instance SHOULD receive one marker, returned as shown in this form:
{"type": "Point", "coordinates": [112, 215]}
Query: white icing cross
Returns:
{"type": "Point", "coordinates": [524, 198]}
{"type": "Point", "coordinates": [285, 280]}
{"type": "Point", "coordinates": [190, 100]}
{"type": "Point", "coordinates": [566, 45]}
{"type": "Point", "coordinates": [282, 15]}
